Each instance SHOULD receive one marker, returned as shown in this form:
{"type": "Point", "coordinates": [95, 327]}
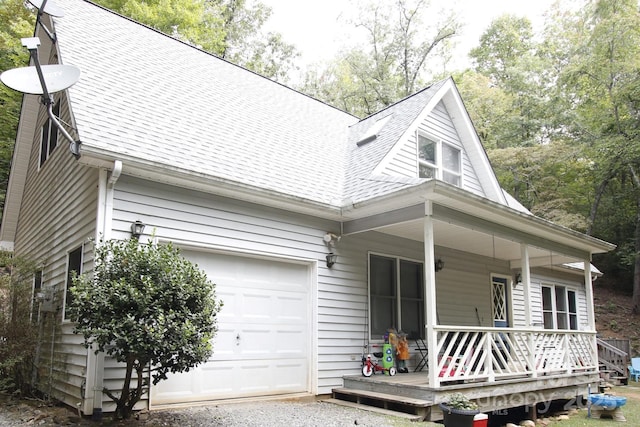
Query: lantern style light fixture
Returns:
{"type": "Point", "coordinates": [439, 264]}
{"type": "Point", "coordinates": [518, 279]}
{"type": "Point", "coordinates": [331, 259]}
{"type": "Point", "coordinates": [136, 229]}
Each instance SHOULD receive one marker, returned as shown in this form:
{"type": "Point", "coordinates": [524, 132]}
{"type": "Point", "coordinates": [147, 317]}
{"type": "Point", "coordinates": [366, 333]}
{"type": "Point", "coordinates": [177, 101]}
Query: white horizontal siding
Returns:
{"type": "Point", "coordinates": [464, 286]}
{"type": "Point", "coordinates": [57, 215]}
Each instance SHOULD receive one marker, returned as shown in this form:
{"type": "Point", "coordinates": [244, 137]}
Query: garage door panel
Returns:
{"type": "Point", "coordinates": [263, 343]}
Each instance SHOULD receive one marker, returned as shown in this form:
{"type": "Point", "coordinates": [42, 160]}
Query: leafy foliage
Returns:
{"type": "Point", "coordinates": [145, 305]}
{"type": "Point", "coordinates": [16, 22]}
{"type": "Point", "coordinates": [394, 63]}
{"type": "Point", "coordinates": [17, 331]}
{"type": "Point", "coordinates": [461, 401]}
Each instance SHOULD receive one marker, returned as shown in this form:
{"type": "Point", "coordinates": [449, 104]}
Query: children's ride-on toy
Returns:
{"type": "Point", "coordinates": [370, 366]}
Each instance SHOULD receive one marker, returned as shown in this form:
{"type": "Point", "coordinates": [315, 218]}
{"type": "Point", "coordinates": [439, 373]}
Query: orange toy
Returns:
{"type": "Point", "coordinates": [402, 353]}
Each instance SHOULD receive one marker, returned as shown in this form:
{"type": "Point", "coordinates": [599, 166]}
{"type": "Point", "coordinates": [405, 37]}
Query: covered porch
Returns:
{"type": "Point", "coordinates": [526, 336]}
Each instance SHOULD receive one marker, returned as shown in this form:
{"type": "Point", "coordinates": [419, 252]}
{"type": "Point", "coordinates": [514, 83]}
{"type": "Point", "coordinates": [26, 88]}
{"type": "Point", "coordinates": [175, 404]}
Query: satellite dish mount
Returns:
{"type": "Point", "coordinates": [32, 44]}
{"type": "Point", "coordinates": [50, 8]}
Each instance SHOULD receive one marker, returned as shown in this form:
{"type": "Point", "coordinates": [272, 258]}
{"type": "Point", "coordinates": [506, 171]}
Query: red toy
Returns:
{"type": "Point", "coordinates": [370, 367]}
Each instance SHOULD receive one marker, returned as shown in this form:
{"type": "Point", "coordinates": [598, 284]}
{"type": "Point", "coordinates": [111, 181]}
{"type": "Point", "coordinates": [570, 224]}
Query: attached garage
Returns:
{"type": "Point", "coordinates": [265, 339]}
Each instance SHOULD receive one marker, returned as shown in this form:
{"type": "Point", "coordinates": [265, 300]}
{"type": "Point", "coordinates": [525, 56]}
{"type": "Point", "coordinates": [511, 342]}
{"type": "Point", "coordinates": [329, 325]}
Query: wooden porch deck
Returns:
{"type": "Point", "coordinates": [490, 396]}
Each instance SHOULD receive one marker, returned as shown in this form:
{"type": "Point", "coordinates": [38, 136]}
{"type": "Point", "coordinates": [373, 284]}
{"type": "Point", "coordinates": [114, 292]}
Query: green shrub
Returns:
{"type": "Point", "coordinates": [146, 306]}
{"type": "Point", "coordinates": [18, 333]}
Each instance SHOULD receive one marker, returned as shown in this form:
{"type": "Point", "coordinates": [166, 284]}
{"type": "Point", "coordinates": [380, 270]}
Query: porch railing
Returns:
{"type": "Point", "coordinates": [492, 354]}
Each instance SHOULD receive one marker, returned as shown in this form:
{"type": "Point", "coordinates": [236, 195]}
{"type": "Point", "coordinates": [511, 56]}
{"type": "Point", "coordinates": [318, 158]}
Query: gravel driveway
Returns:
{"type": "Point", "coordinates": [246, 414]}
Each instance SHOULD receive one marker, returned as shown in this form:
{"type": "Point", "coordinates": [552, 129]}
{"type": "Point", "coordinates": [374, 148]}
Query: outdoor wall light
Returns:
{"type": "Point", "coordinates": [331, 259]}
{"type": "Point", "coordinates": [136, 229]}
{"type": "Point", "coordinates": [518, 279]}
{"type": "Point", "coordinates": [439, 264]}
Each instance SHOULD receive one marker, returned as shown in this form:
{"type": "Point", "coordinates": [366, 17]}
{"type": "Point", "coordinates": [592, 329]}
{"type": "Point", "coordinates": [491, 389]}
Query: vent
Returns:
{"type": "Point", "coordinates": [373, 131]}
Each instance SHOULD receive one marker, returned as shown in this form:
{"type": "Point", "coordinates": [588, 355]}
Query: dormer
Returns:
{"type": "Point", "coordinates": [430, 136]}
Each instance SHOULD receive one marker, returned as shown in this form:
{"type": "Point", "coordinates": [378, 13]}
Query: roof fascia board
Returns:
{"type": "Point", "coordinates": [373, 222]}
{"type": "Point", "coordinates": [479, 206]}
{"type": "Point", "coordinates": [453, 216]}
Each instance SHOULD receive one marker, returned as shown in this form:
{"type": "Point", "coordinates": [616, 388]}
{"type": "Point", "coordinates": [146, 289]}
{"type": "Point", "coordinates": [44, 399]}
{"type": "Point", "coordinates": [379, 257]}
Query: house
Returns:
{"type": "Point", "coordinates": [259, 184]}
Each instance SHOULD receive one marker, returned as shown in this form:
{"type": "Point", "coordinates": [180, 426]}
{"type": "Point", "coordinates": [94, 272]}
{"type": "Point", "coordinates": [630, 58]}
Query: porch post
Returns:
{"type": "Point", "coordinates": [588, 287]}
{"type": "Point", "coordinates": [526, 289]}
{"type": "Point", "coordinates": [430, 314]}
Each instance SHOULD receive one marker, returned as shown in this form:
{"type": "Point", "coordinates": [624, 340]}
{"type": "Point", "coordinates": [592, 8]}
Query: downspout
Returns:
{"type": "Point", "coordinates": [95, 362]}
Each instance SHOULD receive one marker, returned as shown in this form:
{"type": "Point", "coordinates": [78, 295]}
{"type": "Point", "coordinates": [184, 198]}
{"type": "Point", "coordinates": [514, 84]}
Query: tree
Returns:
{"type": "Point", "coordinates": [602, 80]}
{"type": "Point", "coordinates": [146, 306]}
{"type": "Point", "coordinates": [489, 106]}
{"type": "Point", "coordinates": [393, 65]}
{"type": "Point", "coordinates": [508, 56]}
{"type": "Point", "coordinates": [16, 22]}
{"type": "Point", "coordinates": [18, 329]}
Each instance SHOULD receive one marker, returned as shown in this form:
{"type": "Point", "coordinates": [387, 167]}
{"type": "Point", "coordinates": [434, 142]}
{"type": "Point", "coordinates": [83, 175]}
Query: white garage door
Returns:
{"type": "Point", "coordinates": [263, 344]}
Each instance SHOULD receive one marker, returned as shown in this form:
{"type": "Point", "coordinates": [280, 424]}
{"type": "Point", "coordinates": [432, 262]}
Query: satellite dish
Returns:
{"type": "Point", "coordinates": [57, 77]}
{"type": "Point", "coordinates": [50, 8]}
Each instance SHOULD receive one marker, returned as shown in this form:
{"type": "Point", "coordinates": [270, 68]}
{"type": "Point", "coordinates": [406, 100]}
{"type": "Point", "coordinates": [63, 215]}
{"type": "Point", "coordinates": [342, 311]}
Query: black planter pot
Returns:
{"type": "Point", "coordinates": [457, 417]}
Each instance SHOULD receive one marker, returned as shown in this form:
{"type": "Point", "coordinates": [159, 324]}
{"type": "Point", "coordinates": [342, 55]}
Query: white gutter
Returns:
{"type": "Point", "coordinates": [185, 178]}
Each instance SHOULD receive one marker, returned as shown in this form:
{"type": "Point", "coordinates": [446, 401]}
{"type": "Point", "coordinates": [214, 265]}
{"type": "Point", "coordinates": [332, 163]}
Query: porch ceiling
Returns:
{"type": "Point", "coordinates": [476, 242]}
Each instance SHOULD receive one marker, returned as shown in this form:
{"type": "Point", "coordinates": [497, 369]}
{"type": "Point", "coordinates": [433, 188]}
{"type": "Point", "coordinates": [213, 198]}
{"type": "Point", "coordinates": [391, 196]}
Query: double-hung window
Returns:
{"type": "Point", "coordinates": [440, 160]}
{"type": "Point", "coordinates": [396, 296]}
{"type": "Point", "coordinates": [559, 307]}
{"type": "Point", "coordinates": [49, 135]}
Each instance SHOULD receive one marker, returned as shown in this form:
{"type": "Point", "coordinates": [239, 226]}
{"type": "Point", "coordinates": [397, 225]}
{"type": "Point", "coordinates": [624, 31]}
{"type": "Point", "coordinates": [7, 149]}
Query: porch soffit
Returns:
{"type": "Point", "coordinates": [475, 216]}
{"type": "Point", "coordinates": [471, 233]}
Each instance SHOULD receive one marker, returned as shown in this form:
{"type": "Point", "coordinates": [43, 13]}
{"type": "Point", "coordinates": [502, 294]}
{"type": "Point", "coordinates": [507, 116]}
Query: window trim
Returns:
{"type": "Point", "coordinates": [66, 295]}
{"type": "Point", "coordinates": [438, 165]}
{"type": "Point", "coordinates": [397, 296]}
{"type": "Point", "coordinates": [553, 289]}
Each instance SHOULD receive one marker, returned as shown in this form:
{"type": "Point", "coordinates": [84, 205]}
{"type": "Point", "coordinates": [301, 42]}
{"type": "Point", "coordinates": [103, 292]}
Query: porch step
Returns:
{"type": "Point", "coordinates": [415, 409]}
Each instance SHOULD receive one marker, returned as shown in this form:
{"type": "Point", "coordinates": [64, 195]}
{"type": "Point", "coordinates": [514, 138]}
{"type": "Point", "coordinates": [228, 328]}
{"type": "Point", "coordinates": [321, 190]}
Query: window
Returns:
{"type": "Point", "coordinates": [49, 135]}
{"type": "Point", "coordinates": [437, 159]}
{"type": "Point", "coordinates": [37, 288]}
{"type": "Point", "coordinates": [559, 308]}
{"type": "Point", "coordinates": [74, 267]}
{"type": "Point", "coordinates": [396, 296]}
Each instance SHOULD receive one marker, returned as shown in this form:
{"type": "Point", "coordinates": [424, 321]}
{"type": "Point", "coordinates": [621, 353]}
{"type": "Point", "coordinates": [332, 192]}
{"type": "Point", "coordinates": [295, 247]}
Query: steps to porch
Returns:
{"type": "Point", "coordinates": [390, 404]}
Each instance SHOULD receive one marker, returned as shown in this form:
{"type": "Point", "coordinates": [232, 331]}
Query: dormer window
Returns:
{"type": "Point", "coordinates": [440, 160]}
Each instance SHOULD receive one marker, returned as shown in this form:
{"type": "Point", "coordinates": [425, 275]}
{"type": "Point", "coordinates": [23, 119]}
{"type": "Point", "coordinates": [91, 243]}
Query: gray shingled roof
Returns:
{"type": "Point", "coordinates": [145, 95]}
